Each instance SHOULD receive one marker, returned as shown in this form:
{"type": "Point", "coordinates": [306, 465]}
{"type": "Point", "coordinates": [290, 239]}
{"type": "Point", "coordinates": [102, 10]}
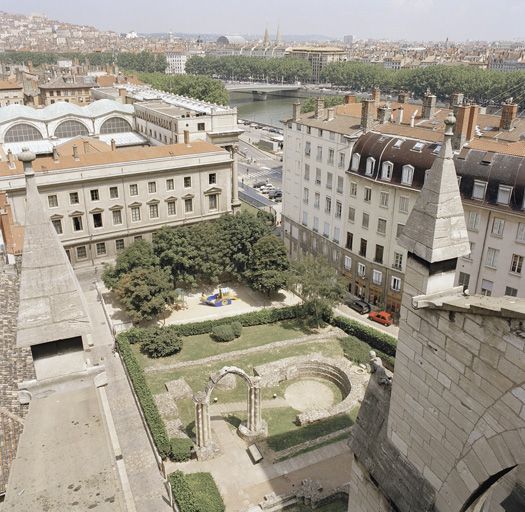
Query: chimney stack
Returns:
{"type": "Point", "coordinates": [509, 112]}
{"type": "Point", "coordinates": [55, 154]}
{"type": "Point", "coordinates": [10, 159]}
{"type": "Point", "coordinates": [122, 93]}
{"type": "Point", "coordinates": [187, 137]}
{"type": "Point", "coordinates": [319, 108]}
{"type": "Point", "coordinates": [330, 114]}
{"type": "Point", "coordinates": [86, 145]}
{"type": "Point", "coordinates": [367, 114]}
{"type": "Point", "coordinates": [402, 97]}
{"type": "Point", "coordinates": [456, 100]}
{"type": "Point", "coordinates": [385, 113]}
{"type": "Point", "coordinates": [349, 98]}
{"type": "Point", "coordinates": [113, 145]}
{"type": "Point", "coordinates": [296, 111]}
{"type": "Point", "coordinates": [413, 119]}
{"type": "Point", "coordinates": [75, 152]}
{"type": "Point", "coordinates": [376, 96]}
{"type": "Point", "coordinates": [466, 122]}
{"type": "Point", "coordinates": [429, 105]}
{"type": "Point", "coordinates": [400, 114]}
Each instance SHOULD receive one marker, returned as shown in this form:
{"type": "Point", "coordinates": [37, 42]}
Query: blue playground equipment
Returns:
{"type": "Point", "coordinates": [223, 297]}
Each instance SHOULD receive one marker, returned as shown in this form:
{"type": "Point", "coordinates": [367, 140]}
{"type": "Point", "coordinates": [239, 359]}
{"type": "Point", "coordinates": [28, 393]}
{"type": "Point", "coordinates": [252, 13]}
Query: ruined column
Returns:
{"type": "Point", "coordinates": [254, 423]}
{"type": "Point", "coordinates": [202, 420]}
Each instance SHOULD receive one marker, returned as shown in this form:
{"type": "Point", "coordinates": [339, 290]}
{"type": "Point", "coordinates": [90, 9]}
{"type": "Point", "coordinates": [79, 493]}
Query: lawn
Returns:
{"type": "Point", "coordinates": [201, 346]}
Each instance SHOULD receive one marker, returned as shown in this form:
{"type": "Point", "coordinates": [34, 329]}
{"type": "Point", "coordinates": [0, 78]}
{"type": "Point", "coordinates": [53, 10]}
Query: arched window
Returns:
{"type": "Point", "coordinates": [386, 171]}
{"type": "Point", "coordinates": [115, 125]}
{"type": "Point", "coordinates": [407, 175]}
{"type": "Point", "coordinates": [70, 129]}
{"type": "Point", "coordinates": [21, 133]}
{"type": "Point", "coordinates": [370, 164]}
{"type": "Point", "coordinates": [356, 157]}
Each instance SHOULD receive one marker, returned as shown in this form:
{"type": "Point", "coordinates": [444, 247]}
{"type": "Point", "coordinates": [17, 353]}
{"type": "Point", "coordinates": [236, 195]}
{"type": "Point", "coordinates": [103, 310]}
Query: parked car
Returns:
{"type": "Point", "coordinates": [259, 184]}
{"type": "Point", "coordinates": [381, 317]}
{"type": "Point", "coordinates": [266, 189]}
{"type": "Point", "coordinates": [360, 306]}
{"type": "Point", "coordinates": [276, 195]}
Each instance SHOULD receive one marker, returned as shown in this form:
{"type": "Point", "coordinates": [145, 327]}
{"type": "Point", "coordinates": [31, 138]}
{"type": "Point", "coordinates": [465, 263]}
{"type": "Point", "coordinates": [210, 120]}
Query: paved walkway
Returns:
{"type": "Point", "coordinates": [241, 406]}
{"type": "Point", "coordinates": [328, 335]}
{"type": "Point", "coordinates": [245, 484]}
{"type": "Point", "coordinates": [146, 482]}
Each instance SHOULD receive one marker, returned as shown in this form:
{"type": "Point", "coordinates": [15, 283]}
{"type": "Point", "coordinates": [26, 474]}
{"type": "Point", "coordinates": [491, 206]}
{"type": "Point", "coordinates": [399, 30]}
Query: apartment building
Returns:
{"type": "Point", "coordinates": [317, 56]}
{"type": "Point", "coordinates": [11, 93]}
{"type": "Point", "coordinates": [385, 167]}
{"type": "Point", "coordinates": [101, 201]}
{"type": "Point", "coordinates": [69, 89]}
{"type": "Point", "coordinates": [176, 63]}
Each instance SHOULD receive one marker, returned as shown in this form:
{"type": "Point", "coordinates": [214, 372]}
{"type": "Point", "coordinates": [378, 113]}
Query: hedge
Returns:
{"type": "Point", "coordinates": [196, 492]}
{"type": "Point", "coordinates": [147, 402]}
{"type": "Point", "coordinates": [161, 343]}
{"type": "Point", "coordinates": [377, 340]}
{"type": "Point", "coordinates": [180, 449]}
{"type": "Point", "coordinates": [237, 329]}
{"type": "Point", "coordinates": [223, 333]}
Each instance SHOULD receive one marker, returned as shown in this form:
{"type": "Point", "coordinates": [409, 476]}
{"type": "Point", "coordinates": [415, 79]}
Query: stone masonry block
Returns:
{"type": "Point", "coordinates": [487, 456]}
{"type": "Point", "coordinates": [461, 421]}
{"type": "Point", "coordinates": [516, 445]}
{"type": "Point", "coordinates": [502, 451]}
{"type": "Point", "coordinates": [458, 365]}
{"type": "Point", "coordinates": [458, 352]}
{"type": "Point", "coordinates": [413, 320]}
{"type": "Point", "coordinates": [515, 355]}
{"type": "Point", "coordinates": [432, 478]}
{"type": "Point", "coordinates": [493, 375]}
{"type": "Point", "coordinates": [509, 369]}
{"type": "Point", "coordinates": [444, 380]}
{"type": "Point", "coordinates": [432, 334]}
{"type": "Point", "coordinates": [490, 355]}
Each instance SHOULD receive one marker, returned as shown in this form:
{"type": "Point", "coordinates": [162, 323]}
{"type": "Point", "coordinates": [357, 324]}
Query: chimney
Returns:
{"type": "Point", "coordinates": [331, 114]}
{"type": "Point", "coordinates": [509, 112]}
{"type": "Point", "coordinates": [400, 113]}
{"type": "Point", "coordinates": [75, 152]}
{"type": "Point", "coordinates": [429, 105]}
{"type": "Point", "coordinates": [113, 145]}
{"type": "Point", "coordinates": [349, 98]}
{"type": "Point", "coordinates": [122, 93]}
{"type": "Point", "coordinates": [402, 97]}
{"type": "Point", "coordinates": [413, 119]}
{"type": "Point", "coordinates": [385, 113]}
{"type": "Point", "coordinates": [296, 111]}
{"type": "Point", "coordinates": [55, 154]}
{"type": "Point", "coordinates": [367, 114]}
{"type": "Point", "coordinates": [187, 137]}
{"type": "Point", "coordinates": [376, 96]}
{"type": "Point", "coordinates": [319, 107]}
{"type": "Point", "coordinates": [10, 159]}
{"type": "Point", "coordinates": [456, 100]}
{"type": "Point", "coordinates": [86, 145]}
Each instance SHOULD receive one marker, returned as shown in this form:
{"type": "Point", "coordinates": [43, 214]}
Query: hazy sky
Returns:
{"type": "Point", "coordinates": [393, 19]}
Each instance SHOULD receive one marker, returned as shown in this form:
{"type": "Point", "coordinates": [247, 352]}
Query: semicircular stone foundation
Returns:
{"type": "Point", "coordinates": [349, 378]}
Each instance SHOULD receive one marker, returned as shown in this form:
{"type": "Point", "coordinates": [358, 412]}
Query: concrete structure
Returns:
{"type": "Point", "coordinates": [100, 200]}
{"type": "Point", "coordinates": [69, 89]}
{"type": "Point", "coordinates": [451, 427]}
{"type": "Point", "coordinates": [11, 93]}
{"type": "Point", "coordinates": [381, 174]}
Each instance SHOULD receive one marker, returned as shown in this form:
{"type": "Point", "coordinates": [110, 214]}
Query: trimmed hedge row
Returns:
{"type": "Point", "coordinates": [377, 340]}
{"type": "Point", "coordinates": [180, 449]}
{"type": "Point", "coordinates": [147, 402]}
{"type": "Point", "coordinates": [196, 492]}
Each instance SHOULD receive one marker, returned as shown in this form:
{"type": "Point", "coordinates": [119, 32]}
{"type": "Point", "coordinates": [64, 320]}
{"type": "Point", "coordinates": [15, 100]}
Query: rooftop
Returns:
{"type": "Point", "coordinates": [70, 82]}
{"type": "Point", "coordinates": [7, 85]}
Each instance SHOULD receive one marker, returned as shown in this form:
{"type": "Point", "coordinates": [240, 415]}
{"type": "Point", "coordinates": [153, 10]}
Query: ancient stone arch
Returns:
{"type": "Point", "coordinates": [252, 429]}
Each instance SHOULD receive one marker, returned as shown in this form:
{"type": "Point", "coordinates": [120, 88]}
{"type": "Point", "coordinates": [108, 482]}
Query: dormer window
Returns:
{"type": "Point", "coordinates": [386, 171]}
{"type": "Point", "coordinates": [407, 175]}
{"type": "Point", "coordinates": [370, 164]}
{"type": "Point", "coordinates": [398, 143]}
{"type": "Point", "coordinates": [356, 158]}
{"type": "Point", "coordinates": [480, 187]}
{"type": "Point", "coordinates": [418, 146]}
{"type": "Point", "coordinates": [437, 149]}
{"type": "Point", "coordinates": [504, 193]}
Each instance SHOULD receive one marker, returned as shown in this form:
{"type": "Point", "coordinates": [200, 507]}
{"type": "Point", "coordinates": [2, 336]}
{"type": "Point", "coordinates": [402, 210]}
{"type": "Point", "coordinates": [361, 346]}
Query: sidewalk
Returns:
{"type": "Point", "coordinates": [146, 482]}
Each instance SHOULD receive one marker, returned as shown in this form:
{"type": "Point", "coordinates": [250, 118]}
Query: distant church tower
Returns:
{"type": "Point", "coordinates": [266, 40]}
{"type": "Point", "coordinates": [278, 39]}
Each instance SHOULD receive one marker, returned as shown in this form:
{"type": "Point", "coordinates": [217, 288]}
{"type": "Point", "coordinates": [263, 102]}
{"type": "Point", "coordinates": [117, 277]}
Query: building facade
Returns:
{"type": "Point", "coordinates": [11, 93]}
{"type": "Point", "coordinates": [99, 203]}
{"type": "Point", "coordinates": [176, 63]}
{"type": "Point", "coordinates": [317, 56]}
{"type": "Point", "coordinates": [69, 89]}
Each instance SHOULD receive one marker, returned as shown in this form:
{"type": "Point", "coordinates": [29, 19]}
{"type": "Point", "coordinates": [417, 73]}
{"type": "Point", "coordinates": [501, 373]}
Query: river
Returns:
{"type": "Point", "coordinates": [272, 111]}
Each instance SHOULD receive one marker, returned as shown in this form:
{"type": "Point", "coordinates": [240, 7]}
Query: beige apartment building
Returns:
{"type": "Point", "coordinates": [317, 56]}
{"type": "Point", "coordinates": [354, 214]}
{"type": "Point", "coordinates": [102, 200]}
{"type": "Point", "coordinates": [11, 93]}
{"type": "Point", "coordinates": [69, 89]}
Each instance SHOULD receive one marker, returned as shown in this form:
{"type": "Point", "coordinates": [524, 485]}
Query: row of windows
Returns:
{"type": "Point", "coordinates": [504, 192]}
{"type": "Point", "coordinates": [491, 260]}
{"type": "Point", "coordinates": [331, 155]}
{"type": "Point", "coordinates": [94, 193]}
{"type": "Point", "coordinates": [23, 132]}
{"type": "Point", "coordinates": [498, 226]}
{"type": "Point", "coordinates": [377, 275]}
{"type": "Point", "coordinates": [136, 215]}
{"type": "Point", "coordinates": [387, 169]}
{"type": "Point", "coordinates": [320, 133]}
{"type": "Point", "coordinates": [397, 262]}
{"type": "Point", "coordinates": [486, 285]}
{"type": "Point", "coordinates": [329, 179]}
{"type": "Point", "coordinates": [384, 197]}
{"type": "Point", "coordinates": [100, 248]}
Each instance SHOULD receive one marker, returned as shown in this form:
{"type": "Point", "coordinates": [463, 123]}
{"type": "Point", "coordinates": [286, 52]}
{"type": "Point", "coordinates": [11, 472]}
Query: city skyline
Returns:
{"type": "Point", "coordinates": [378, 19]}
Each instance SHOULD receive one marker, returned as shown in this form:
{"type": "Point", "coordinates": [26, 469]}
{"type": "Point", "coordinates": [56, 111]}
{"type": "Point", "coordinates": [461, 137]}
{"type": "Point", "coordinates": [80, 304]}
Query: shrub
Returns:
{"type": "Point", "coordinates": [180, 449]}
{"type": "Point", "coordinates": [146, 400]}
{"type": "Point", "coordinates": [161, 343]}
{"type": "Point", "coordinates": [196, 492]}
{"type": "Point", "coordinates": [237, 329]}
{"type": "Point", "coordinates": [223, 333]}
{"type": "Point", "coordinates": [137, 334]}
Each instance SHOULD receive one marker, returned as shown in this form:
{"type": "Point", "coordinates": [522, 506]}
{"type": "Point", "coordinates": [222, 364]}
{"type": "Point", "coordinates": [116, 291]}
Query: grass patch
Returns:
{"type": "Point", "coordinates": [201, 346]}
{"type": "Point", "coordinates": [358, 351]}
{"type": "Point", "coordinates": [196, 492]}
{"type": "Point", "coordinates": [344, 435]}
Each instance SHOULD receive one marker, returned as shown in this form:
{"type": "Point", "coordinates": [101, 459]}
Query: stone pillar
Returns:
{"type": "Point", "coordinates": [202, 420]}
{"type": "Point", "coordinates": [236, 204]}
{"type": "Point", "coordinates": [254, 406]}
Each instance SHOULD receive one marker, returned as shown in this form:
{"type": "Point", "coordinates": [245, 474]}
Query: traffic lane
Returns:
{"type": "Point", "coordinates": [343, 310]}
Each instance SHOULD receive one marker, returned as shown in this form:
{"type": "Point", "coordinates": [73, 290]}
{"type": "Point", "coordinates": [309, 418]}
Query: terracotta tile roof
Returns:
{"type": "Point", "coordinates": [6, 85]}
{"type": "Point", "coordinates": [508, 148]}
{"type": "Point", "coordinates": [84, 145]}
{"type": "Point", "coordinates": [111, 157]}
{"type": "Point", "coordinates": [12, 233]}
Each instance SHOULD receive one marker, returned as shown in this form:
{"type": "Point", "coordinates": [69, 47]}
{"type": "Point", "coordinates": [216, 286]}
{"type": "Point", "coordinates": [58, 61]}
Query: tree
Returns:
{"type": "Point", "coordinates": [161, 343]}
{"type": "Point", "coordinates": [139, 254]}
{"type": "Point", "coordinates": [268, 265]}
{"type": "Point", "coordinates": [329, 101]}
{"type": "Point", "coordinates": [145, 293]}
{"type": "Point", "coordinates": [317, 283]}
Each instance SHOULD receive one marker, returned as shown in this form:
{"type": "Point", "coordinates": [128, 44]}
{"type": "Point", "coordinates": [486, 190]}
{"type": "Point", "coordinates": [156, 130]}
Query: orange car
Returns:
{"type": "Point", "coordinates": [381, 317]}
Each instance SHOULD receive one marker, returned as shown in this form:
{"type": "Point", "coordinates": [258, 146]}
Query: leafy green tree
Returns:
{"type": "Point", "coordinates": [268, 266]}
{"type": "Point", "coordinates": [317, 283]}
{"type": "Point", "coordinates": [329, 101]}
{"type": "Point", "coordinates": [145, 293]}
{"type": "Point", "coordinates": [137, 255]}
{"type": "Point", "coordinates": [161, 343]}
